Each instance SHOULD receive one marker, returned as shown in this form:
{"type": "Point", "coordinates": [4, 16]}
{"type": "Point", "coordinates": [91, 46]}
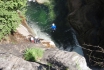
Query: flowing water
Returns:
{"type": "Point", "coordinates": [39, 19]}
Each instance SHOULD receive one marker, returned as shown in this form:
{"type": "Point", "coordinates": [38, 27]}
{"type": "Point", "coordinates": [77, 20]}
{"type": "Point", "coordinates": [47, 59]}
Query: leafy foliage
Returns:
{"type": "Point", "coordinates": [50, 4]}
{"type": "Point", "coordinates": [9, 18]}
{"type": "Point", "coordinates": [33, 54]}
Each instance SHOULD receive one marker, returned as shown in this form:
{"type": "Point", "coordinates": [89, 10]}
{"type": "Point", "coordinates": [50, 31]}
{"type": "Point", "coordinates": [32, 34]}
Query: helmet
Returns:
{"type": "Point", "coordinates": [53, 24]}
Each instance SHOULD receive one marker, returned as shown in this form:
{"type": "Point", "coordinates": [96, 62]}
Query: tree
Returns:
{"type": "Point", "coordinates": [9, 18]}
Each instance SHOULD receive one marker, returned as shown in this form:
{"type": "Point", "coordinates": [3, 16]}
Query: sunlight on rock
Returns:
{"type": "Point", "coordinates": [43, 1]}
{"type": "Point", "coordinates": [23, 30]}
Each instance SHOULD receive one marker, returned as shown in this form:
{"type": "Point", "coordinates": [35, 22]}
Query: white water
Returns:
{"type": "Point", "coordinates": [38, 31]}
{"type": "Point", "coordinates": [77, 48]}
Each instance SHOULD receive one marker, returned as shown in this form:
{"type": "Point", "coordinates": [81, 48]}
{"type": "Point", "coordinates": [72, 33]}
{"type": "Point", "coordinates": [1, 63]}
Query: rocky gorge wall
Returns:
{"type": "Point", "coordinates": [87, 19]}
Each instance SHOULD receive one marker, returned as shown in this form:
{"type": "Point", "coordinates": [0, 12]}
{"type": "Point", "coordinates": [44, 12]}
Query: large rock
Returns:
{"type": "Point", "coordinates": [48, 44]}
{"type": "Point", "coordinates": [62, 60]}
{"type": "Point", "coordinates": [87, 19]}
{"type": "Point", "coordinates": [11, 62]}
{"type": "Point", "coordinates": [23, 31]}
{"type": "Point", "coordinates": [11, 57]}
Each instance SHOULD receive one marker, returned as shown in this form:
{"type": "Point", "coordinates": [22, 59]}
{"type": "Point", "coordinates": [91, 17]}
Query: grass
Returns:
{"type": "Point", "coordinates": [33, 54]}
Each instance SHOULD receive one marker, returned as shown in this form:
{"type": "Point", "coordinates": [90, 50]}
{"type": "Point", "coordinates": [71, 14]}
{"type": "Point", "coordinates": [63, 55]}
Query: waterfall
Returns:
{"type": "Point", "coordinates": [39, 21]}
{"type": "Point", "coordinates": [38, 31]}
{"type": "Point", "coordinates": [78, 48]}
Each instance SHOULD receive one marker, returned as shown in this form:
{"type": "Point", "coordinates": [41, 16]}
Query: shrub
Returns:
{"type": "Point", "coordinates": [33, 54]}
{"type": "Point", "coordinates": [9, 18]}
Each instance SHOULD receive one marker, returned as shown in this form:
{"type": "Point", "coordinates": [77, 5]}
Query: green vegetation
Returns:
{"type": "Point", "coordinates": [50, 5]}
{"type": "Point", "coordinates": [9, 18]}
{"type": "Point", "coordinates": [33, 54]}
{"type": "Point", "coordinates": [40, 16]}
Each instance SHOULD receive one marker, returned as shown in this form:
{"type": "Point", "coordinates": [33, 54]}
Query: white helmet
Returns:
{"type": "Point", "coordinates": [53, 24]}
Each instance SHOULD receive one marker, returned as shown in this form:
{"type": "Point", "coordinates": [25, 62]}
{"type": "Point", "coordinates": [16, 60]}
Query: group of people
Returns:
{"type": "Point", "coordinates": [34, 40]}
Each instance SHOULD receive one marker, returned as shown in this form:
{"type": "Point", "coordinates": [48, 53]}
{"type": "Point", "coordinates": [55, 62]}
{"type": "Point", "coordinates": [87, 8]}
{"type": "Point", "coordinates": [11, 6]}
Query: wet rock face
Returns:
{"type": "Point", "coordinates": [87, 18]}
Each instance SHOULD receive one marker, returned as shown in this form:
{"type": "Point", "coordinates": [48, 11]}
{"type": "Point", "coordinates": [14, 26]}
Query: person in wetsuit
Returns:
{"type": "Point", "coordinates": [53, 27]}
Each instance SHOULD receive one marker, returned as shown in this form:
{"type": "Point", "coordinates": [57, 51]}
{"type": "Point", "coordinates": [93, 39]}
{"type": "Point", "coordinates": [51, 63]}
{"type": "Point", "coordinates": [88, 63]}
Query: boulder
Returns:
{"type": "Point", "coordinates": [48, 44]}
{"type": "Point", "coordinates": [62, 60]}
{"type": "Point", "coordinates": [23, 30]}
{"type": "Point", "coordinates": [11, 62]}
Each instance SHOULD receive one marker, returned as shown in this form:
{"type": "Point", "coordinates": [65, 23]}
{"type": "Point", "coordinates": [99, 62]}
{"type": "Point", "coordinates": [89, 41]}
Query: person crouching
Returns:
{"type": "Point", "coordinates": [32, 39]}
